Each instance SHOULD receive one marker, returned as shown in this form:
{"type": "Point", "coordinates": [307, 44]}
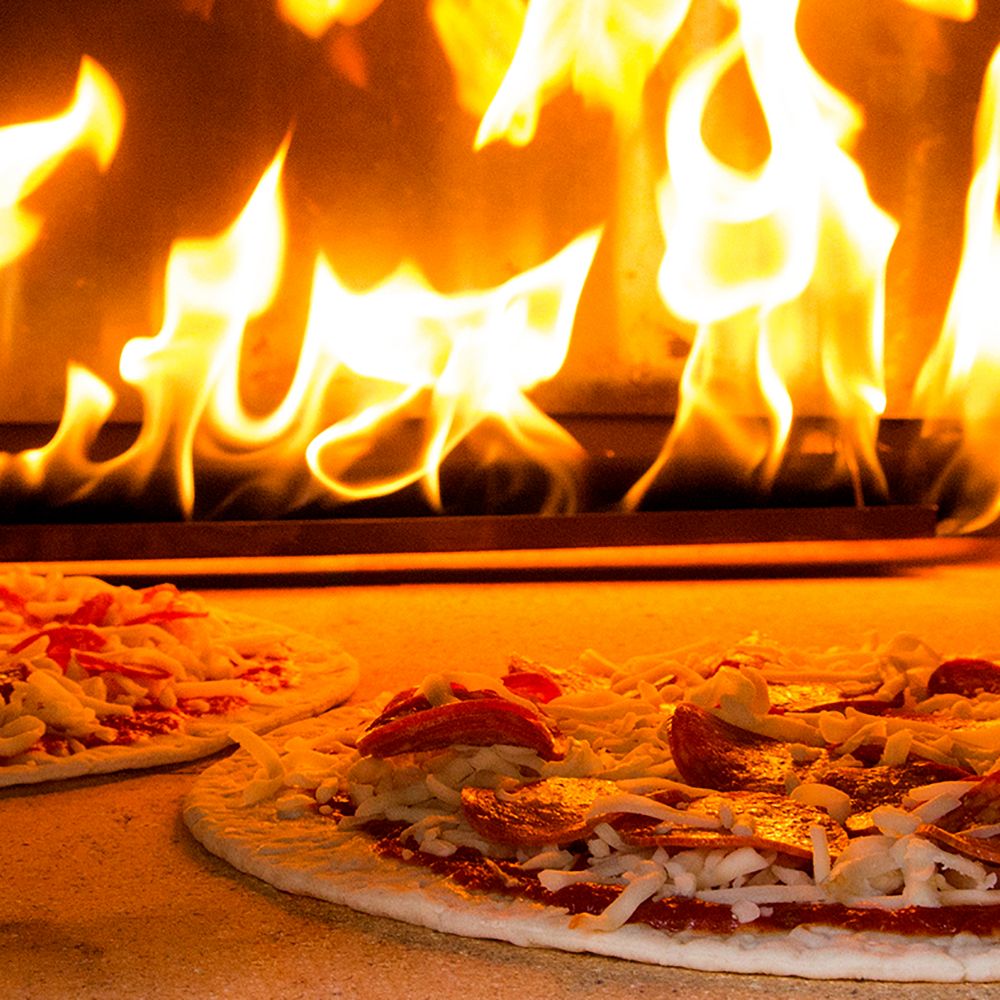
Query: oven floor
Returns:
{"type": "Point", "coordinates": [105, 892]}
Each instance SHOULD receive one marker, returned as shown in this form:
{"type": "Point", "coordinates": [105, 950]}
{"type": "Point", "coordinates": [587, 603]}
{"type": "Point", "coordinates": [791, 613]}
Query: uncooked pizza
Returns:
{"type": "Point", "coordinates": [96, 678]}
{"type": "Point", "coordinates": [757, 809]}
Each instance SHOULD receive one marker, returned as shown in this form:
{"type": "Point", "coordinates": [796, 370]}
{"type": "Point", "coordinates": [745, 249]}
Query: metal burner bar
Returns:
{"type": "Point", "coordinates": [471, 533]}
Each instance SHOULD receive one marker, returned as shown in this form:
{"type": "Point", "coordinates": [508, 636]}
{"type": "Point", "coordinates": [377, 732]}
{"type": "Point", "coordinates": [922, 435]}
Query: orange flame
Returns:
{"type": "Point", "coordinates": [315, 17]}
{"type": "Point", "coordinates": [959, 379]}
{"type": "Point", "coordinates": [30, 152]}
{"type": "Point", "coordinates": [457, 367]}
{"type": "Point", "coordinates": [781, 268]}
{"type": "Point", "coordinates": [462, 362]}
{"type": "Point", "coordinates": [479, 38]}
{"type": "Point", "coordinates": [604, 50]}
{"type": "Point", "coordinates": [213, 287]}
{"type": "Point", "coordinates": [958, 10]}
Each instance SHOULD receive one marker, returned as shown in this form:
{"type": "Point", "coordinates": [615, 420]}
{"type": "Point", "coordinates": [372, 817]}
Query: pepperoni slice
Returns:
{"type": "Point", "coordinates": [473, 722]}
{"type": "Point", "coordinates": [881, 784]}
{"type": "Point", "coordinates": [978, 848]}
{"type": "Point", "coordinates": [551, 811]}
{"type": "Point", "coordinates": [980, 806]}
{"type": "Point", "coordinates": [776, 823]}
{"type": "Point", "coordinates": [965, 676]}
{"type": "Point", "coordinates": [712, 753]}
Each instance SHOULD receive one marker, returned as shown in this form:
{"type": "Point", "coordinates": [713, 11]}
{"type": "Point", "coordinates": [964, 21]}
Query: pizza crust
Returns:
{"type": "Point", "coordinates": [309, 856]}
{"type": "Point", "coordinates": [329, 676]}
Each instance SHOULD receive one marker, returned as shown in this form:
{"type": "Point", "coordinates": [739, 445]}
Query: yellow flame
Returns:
{"type": "Point", "coordinates": [399, 356]}
{"type": "Point", "coordinates": [315, 17]}
{"type": "Point", "coordinates": [957, 10]}
{"type": "Point", "coordinates": [479, 39]}
{"type": "Point", "coordinates": [457, 363]}
{"type": "Point", "coordinates": [603, 49]}
{"type": "Point", "coordinates": [213, 287]}
{"type": "Point", "coordinates": [31, 151]}
{"type": "Point", "coordinates": [781, 268]}
{"type": "Point", "coordinates": [959, 380]}
{"type": "Point", "coordinates": [62, 464]}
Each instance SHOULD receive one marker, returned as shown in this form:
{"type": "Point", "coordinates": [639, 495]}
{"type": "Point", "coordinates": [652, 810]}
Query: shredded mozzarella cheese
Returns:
{"type": "Point", "coordinates": [616, 717]}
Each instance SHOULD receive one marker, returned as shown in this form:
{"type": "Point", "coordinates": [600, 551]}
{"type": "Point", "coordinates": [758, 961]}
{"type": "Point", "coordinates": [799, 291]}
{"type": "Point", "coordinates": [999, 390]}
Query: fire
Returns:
{"type": "Point", "coordinates": [479, 38]}
{"type": "Point", "coordinates": [781, 268]}
{"type": "Point", "coordinates": [462, 362]}
{"type": "Point", "coordinates": [315, 17]}
{"type": "Point", "coordinates": [30, 152]}
{"type": "Point", "coordinates": [956, 390]}
{"type": "Point", "coordinates": [457, 367]}
{"type": "Point", "coordinates": [958, 10]}
{"type": "Point", "coordinates": [605, 50]}
{"type": "Point", "coordinates": [213, 288]}
{"type": "Point", "coordinates": [737, 161]}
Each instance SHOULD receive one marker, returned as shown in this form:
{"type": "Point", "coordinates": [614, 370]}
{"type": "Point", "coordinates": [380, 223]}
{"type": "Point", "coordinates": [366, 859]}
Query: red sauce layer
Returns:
{"type": "Point", "coordinates": [128, 729]}
{"type": "Point", "coordinates": [471, 871]}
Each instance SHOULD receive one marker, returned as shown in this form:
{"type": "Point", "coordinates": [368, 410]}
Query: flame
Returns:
{"type": "Point", "coordinates": [957, 10]}
{"type": "Point", "coordinates": [461, 362]}
{"type": "Point", "coordinates": [455, 367]}
{"type": "Point", "coordinates": [604, 50]}
{"type": "Point", "coordinates": [958, 381]}
{"type": "Point", "coordinates": [777, 266]}
{"type": "Point", "coordinates": [781, 268]}
{"type": "Point", "coordinates": [213, 287]}
{"type": "Point", "coordinates": [30, 152]}
{"type": "Point", "coordinates": [315, 17]}
{"type": "Point", "coordinates": [479, 39]}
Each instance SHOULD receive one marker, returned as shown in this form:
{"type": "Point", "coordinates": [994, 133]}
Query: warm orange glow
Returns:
{"type": "Point", "coordinates": [603, 50]}
{"type": "Point", "coordinates": [780, 268]}
{"type": "Point", "coordinates": [30, 152]}
{"type": "Point", "coordinates": [315, 17]}
{"type": "Point", "coordinates": [959, 381]}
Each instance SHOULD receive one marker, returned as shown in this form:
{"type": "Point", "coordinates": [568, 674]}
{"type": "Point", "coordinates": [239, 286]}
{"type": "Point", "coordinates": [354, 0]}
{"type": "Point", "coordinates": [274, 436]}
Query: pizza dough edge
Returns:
{"type": "Point", "coordinates": [330, 677]}
{"type": "Point", "coordinates": [308, 856]}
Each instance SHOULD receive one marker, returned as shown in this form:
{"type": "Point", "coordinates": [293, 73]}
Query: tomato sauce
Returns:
{"type": "Point", "coordinates": [270, 678]}
{"type": "Point", "coordinates": [676, 914]}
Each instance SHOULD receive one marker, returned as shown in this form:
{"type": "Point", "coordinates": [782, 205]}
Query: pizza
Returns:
{"type": "Point", "coordinates": [752, 809]}
{"type": "Point", "coordinates": [96, 678]}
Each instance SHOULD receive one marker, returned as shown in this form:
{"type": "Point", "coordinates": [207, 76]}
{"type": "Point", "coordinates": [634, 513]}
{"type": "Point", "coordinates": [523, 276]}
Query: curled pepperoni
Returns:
{"type": "Point", "coordinates": [472, 722]}
{"type": "Point", "coordinates": [712, 753]}
{"type": "Point", "coordinates": [965, 676]}
{"type": "Point", "coordinates": [550, 811]}
{"type": "Point", "coordinates": [980, 806]}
